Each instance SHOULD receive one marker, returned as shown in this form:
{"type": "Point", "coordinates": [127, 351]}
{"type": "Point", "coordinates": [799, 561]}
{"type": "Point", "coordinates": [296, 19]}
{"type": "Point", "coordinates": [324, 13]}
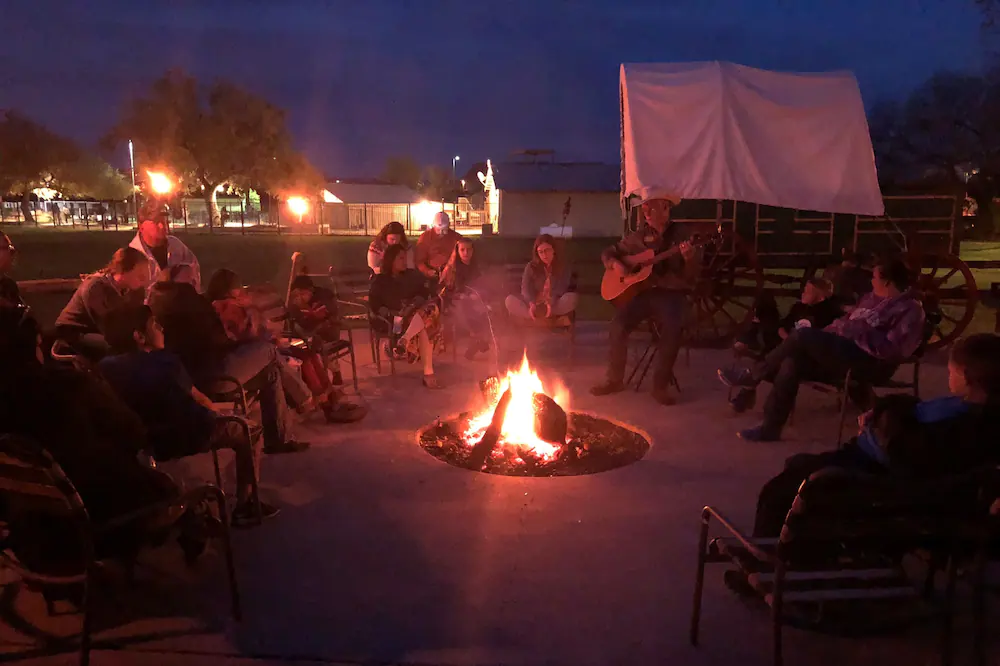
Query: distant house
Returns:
{"type": "Point", "coordinates": [523, 198]}
{"type": "Point", "coordinates": [364, 208]}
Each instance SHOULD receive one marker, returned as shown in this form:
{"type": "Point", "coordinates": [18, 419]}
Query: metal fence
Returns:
{"type": "Point", "coordinates": [239, 216]}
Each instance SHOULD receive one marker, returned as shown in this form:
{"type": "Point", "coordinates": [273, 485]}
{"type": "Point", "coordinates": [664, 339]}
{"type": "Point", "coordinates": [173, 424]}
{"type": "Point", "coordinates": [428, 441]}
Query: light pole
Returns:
{"type": "Point", "coordinates": [131, 162]}
{"type": "Point", "coordinates": [454, 161]}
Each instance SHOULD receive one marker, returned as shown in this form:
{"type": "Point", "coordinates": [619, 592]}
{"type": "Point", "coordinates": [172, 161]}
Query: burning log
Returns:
{"type": "Point", "coordinates": [482, 450]}
{"type": "Point", "coordinates": [551, 424]}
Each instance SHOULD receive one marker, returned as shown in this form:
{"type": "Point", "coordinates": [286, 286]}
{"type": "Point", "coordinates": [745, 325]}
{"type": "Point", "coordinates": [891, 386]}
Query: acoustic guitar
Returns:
{"type": "Point", "coordinates": [620, 287]}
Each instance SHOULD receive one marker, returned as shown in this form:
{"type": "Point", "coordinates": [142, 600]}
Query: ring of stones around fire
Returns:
{"type": "Point", "coordinates": [594, 444]}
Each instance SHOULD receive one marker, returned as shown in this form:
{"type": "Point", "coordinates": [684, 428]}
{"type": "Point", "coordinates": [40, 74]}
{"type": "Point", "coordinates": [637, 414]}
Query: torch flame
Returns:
{"type": "Point", "coordinates": [160, 182]}
{"type": "Point", "coordinates": [518, 426]}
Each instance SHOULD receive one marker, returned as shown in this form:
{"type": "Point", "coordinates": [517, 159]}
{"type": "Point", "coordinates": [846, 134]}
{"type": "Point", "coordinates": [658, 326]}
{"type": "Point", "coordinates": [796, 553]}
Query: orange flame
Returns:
{"type": "Point", "coordinates": [518, 425]}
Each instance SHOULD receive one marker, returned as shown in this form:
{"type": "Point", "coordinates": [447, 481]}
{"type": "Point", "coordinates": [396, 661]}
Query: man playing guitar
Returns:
{"type": "Point", "coordinates": [664, 300]}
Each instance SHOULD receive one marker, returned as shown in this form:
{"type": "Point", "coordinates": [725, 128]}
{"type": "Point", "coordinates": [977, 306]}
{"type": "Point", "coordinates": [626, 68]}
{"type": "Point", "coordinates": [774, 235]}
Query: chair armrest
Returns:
{"type": "Point", "coordinates": [193, 496]}
{"type": "Point", "coordinates": [709, 512]}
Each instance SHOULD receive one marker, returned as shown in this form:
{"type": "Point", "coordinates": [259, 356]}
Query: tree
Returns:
{"type": "Point", "coordinates": [402, 171]}
{"type": "Point", "coordinates": [92, 177]}
{"type": "Point", "coordinates": [236, 137]}
{"type": "Point", "coordinates": [438, 184]}
{"type": "Point", "coordinates": [32, 156]}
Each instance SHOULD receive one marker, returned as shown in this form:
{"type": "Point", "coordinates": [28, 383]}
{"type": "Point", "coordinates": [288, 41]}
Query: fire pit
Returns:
{"type": "Point", "coordinates": [523, 431]}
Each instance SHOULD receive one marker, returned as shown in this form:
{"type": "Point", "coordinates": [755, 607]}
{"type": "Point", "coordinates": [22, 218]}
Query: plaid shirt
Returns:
{"type": "Point", "coordinates": [890, 329]}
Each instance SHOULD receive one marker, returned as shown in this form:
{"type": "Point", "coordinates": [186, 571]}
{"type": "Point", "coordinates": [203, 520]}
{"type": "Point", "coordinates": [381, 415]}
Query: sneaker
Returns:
{"type": "Point", "coordinates": [744, 400]}
{"type": "Point", "coordinates": [345, 412]}
{"type": "Point", "coordinates": [664, 396]}
{"type": "Point", "coordinates": [431, 382]}
{"type": "Point", "coordinates": [759, 434]}
{"type": "Point", "coordinates": [289, 446]}
{"type": "Point", "coordinates": [607, 388]}
{"type": "Point", "coordinates": [737, 376]}
{"type": "Point", "coordinates": [245, 514]}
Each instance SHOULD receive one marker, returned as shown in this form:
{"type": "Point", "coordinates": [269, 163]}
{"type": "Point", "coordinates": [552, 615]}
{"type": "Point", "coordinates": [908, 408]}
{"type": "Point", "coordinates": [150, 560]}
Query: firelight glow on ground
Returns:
{"type": "Point", "coordinates": [518, 425]}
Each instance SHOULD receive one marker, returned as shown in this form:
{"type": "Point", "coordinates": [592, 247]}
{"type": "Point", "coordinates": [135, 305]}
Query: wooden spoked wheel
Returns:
{"type": "Point", "coordinates": [724, 297]}
{"type": "Point", "coordinates": [949, 292]}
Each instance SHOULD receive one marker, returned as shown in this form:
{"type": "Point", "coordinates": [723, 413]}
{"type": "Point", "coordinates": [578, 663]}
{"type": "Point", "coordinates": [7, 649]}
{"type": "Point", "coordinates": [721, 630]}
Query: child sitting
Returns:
{"type": "Point", "coordinates": [313, 313]}
{"type": "Point", "coordinates": [180, 419]}
{"type": "Point", "coordinates": [818, 308]}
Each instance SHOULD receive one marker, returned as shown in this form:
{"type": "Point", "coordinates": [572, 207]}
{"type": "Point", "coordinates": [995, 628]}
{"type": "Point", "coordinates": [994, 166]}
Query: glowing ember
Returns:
{"type": "Point", "coordinates": [519, 423]}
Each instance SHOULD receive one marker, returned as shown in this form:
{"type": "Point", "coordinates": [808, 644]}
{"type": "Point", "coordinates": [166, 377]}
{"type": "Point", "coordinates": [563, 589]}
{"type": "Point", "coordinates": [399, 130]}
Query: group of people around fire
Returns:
{"type": "Point", "coordinates": [156, 346]}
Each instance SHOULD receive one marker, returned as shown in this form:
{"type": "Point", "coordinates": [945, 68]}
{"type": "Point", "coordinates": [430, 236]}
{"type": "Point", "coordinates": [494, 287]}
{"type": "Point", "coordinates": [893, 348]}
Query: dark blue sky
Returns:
{"type": "Point", "coordinates": [365, 79]}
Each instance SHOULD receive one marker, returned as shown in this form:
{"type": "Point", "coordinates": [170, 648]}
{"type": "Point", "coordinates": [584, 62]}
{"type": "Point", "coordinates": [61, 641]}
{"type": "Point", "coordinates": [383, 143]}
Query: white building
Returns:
{"type": "Point", "coordinates": [528, 198]}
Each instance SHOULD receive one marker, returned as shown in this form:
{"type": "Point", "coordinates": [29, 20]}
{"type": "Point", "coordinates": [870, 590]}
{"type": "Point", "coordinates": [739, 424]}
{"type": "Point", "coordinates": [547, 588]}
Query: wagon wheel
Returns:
{"type": "Point", "coordinates": [948, 289]}
{"type": "Point", "coordinates": [729, 285]}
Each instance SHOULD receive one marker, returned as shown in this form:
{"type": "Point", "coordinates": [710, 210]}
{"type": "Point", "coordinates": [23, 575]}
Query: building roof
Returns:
{"type": "Point", "coordinates": [372, 193]}
{"type": "Point", "coordinates": [557, 177]}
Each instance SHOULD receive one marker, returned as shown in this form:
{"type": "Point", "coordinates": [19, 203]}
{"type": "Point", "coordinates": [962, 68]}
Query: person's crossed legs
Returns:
{"type": "Point", "coordinates": [806, 354]}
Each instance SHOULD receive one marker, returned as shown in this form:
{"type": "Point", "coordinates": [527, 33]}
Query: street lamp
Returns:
{"type": "Point", "coordinates": [454, 161]}
{"type": "Point", "coordinates": [159, 182]}
{"type": "Point", "coordinates": [299, 206]}
{"type": "Point", "coordinates": [131, 162]}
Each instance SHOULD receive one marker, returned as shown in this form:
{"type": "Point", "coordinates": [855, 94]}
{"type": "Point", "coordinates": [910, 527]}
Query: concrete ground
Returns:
{"type": "Point", "coordinates": [383, 554]}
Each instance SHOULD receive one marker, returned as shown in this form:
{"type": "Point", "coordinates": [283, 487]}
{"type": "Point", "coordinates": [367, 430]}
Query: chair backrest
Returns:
{"type": "Point", "coordinates": [32, 481]}
{"type": "Point", "coordinates": [840, 506]}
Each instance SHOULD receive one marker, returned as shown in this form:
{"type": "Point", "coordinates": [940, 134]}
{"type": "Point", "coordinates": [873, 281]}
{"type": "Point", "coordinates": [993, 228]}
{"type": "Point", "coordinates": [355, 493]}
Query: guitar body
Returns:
{"type": "Point", "coordinates": [619, 288]}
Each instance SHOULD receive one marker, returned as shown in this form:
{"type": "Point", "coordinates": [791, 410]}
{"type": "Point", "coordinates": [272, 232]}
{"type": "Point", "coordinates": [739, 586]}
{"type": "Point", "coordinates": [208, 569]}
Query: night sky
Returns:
{"type": "Point", "coordinates": [365, 79]}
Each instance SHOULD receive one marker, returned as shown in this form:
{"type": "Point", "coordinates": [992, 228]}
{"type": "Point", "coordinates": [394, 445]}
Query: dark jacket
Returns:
{"type": "Point", "coordinates": [394, 292]}
{"type": "Point", "coordinates": [191, 326]}
{"type": "Point", "coordinates": [818, 315]}
{"type": "Point", "coordinates": [10, 294]}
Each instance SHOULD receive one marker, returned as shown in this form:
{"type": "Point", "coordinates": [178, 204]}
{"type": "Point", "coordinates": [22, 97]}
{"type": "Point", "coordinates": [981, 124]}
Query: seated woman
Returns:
{"type": "Point", "coordinates": [921, 440]}
{"type": "Point", "coordinates": [80, 325]}
{"type": "Point", "coordinates": [88, 430]}
{"type": "Point", "coordinates": [464, 295]}
{"type": "Point", "coordinates": [818, 308]}
{"type": "Point", "coordinates": [401, 299]}
{"type": "Point", "coordinates": [243, 323]}
{"type": "Point", "coordinates": [884, 329]}
{"type": "Point", "coordinates": [391, 234]}
{"type": "Point", "coordinates": [547, 291]}
{"type": "Point", "coordinates": [180, 419]}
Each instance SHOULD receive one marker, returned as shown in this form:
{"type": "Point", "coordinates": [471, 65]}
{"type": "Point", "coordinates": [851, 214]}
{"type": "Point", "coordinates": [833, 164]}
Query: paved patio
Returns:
{"type": "Point", "coordinates": [385, 555]}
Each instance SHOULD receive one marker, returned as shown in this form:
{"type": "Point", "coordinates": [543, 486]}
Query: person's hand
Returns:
{"type": "Point", "coordinates": [687, 250]}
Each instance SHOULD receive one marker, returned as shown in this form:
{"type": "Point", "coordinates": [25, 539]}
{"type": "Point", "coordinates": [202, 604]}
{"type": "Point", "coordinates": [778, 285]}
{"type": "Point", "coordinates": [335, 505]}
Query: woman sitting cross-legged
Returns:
{"type": "Point", "coordinates": [180, 419]}
{"type": "Point", "coordinates": [465, 295]}
{"type": "Point", "coordinates": [401, 299]}
{"type": "Point", "coordinates": [546, 287]}
{"type": "Point", "coordinates": [391, 234]}
{"type": "Point", "coordinates": [244, 322]}
{"type": "Point", "coordinates": [80, 325]}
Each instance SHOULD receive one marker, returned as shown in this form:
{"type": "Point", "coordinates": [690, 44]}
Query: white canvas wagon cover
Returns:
{"type": "Point", "coordinates": [717, 130]}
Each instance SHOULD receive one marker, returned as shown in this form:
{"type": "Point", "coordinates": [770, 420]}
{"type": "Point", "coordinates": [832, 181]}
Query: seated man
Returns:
{"type": "Point", "coordinates": [180, 419]}
{"type": "Point", "coordinates": [192, 330]}
{"type": "Point", "coordinates": [883, 330]}
{"type": "Point", "coordinates": [922, 440]}
{"type": "Point", "coordinates": [92, 434]}
{"type": "Point", "coordinates": [818, 309]}
{"type": "Point", "coordinates": [168, 257]}
{"type": "Point", "coordinates": [434, 247]}
{"type": "Point", "coordinates": [665, 303]}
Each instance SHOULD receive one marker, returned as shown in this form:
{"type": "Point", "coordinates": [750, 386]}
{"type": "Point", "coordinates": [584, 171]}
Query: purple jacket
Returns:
{"type": "Point", "coordinates": [890, 329]}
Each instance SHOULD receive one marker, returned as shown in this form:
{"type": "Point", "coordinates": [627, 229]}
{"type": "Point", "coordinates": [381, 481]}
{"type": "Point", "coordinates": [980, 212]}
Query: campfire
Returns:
{"type": "Point", "coordinates": [526, 420]}
{"type": "Point", "coordinates": [525, 429]}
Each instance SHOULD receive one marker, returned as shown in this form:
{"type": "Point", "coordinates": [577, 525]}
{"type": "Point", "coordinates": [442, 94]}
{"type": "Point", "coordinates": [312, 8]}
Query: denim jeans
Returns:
{"type": "Point", "coordinates": [255, 365]}
{"type": "Point", "coordinates": [810, 354]}
{"type": "Point", "coordinates": [666, 309]}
